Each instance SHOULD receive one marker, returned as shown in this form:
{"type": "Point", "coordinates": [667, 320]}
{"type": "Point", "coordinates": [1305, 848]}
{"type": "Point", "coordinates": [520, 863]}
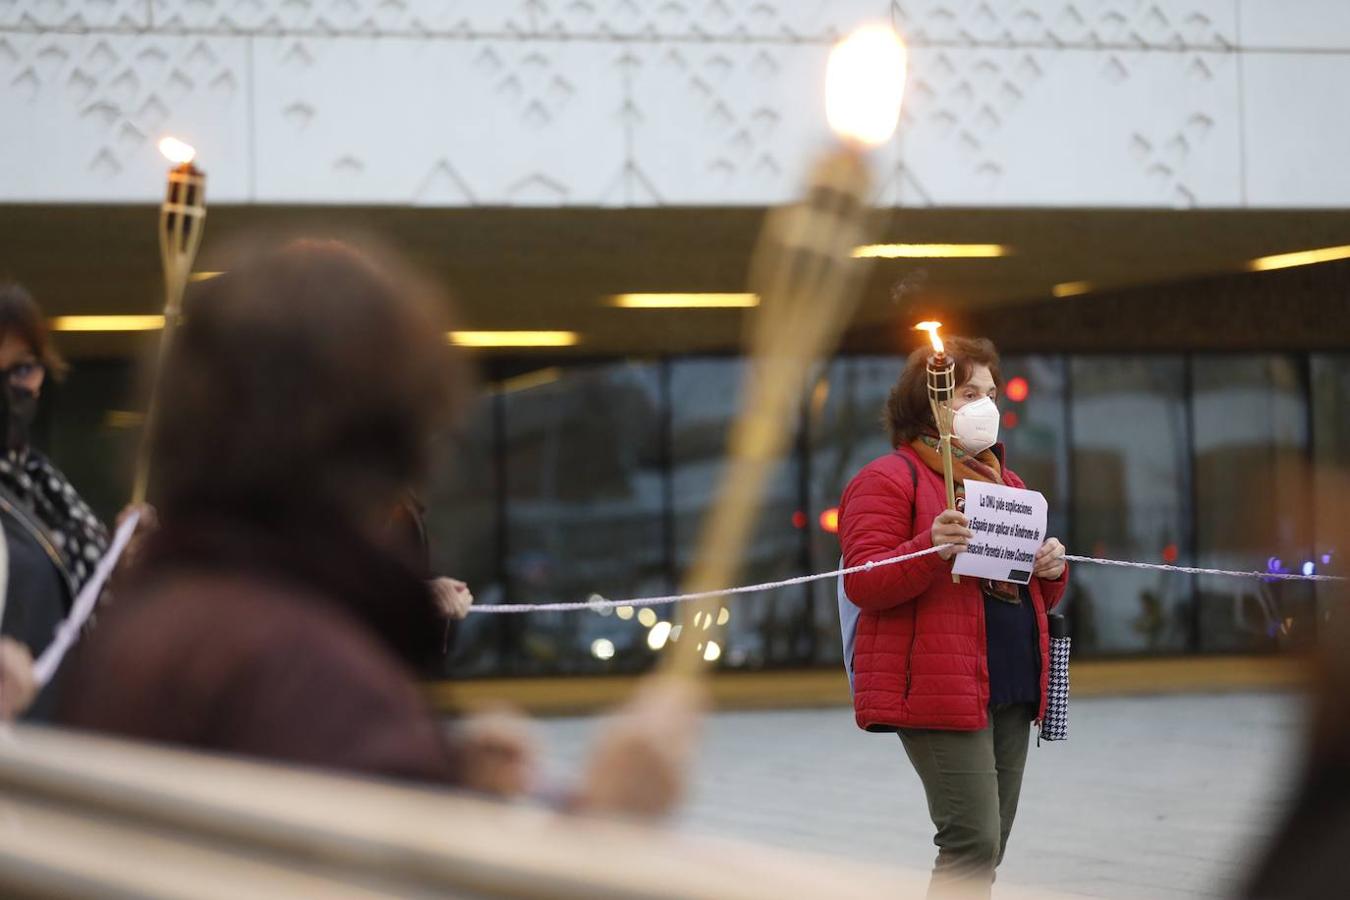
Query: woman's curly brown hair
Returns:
{"type": "Point", "coordinates": [908, 413]}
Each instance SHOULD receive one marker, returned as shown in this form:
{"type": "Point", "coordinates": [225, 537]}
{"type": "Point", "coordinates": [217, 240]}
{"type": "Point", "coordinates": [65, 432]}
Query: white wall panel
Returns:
{"type": "Point", "coordinates": [1295, 24]}
{"type": "Point", "coordinates": [1298, 139]}
{"type": "Point", "coordinates": [83, 113]}
{"type": "Point", "coordinates": [74, 15]}
{"type": "Point", "coordinates": [1195, 24]}
{"type": "Point", "coordinates": [1206, 103]}
{"type": "Point", "coordinates": [726, 20]}
{"type": "Point", "coordinates": [391, 120]}
{"type": "Point", "coordinates": [1073, 128]}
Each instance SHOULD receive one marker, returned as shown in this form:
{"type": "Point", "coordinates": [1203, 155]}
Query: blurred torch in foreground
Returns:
{"type": "Point", "coordinates": [809, 285]}
{"type": "Point", "coordinates": [182, 218]}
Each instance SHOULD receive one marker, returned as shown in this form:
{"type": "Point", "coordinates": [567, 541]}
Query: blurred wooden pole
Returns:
{"type": "Point", "coordinates": [941, 390]}
{"type": "Point", "coordinates": [182, 218]}
{"type": "Point", "coordinates": [809, 284]}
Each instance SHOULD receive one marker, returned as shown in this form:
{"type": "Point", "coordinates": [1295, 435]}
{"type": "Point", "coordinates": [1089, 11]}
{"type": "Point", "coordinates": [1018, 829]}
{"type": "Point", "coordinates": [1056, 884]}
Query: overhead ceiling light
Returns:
{"type": "Point", "coordinates": [1071, 288]}
{"type": "Point", "coordinates": [107, 323]}
{"type": "Point", "coordinates": [204, 276]}
{"type": "Point", "coordinates": [121, 418]}
{"type": "Point", "coordinates": [685, 301]}
{"type": "Point", "coordinates": [1299, 258]}
{"type": "Point", "coordinates": [930, 251]}
{"type": "Point", "coordinates": [514, 338]}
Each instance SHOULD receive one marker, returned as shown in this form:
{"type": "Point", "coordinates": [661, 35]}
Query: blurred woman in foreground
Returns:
{"type": "Point", "coordinates": [270, 615]}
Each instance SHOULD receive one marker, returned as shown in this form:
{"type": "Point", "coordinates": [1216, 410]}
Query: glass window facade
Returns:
{"type": "Point", "coordinates": [579, 479]}
{"type": "Point", "coordinates": [1131, 486]}
{"type": "Point", "coordinates": [1250, 425]}
{"type": "Point", "coordinates": [585, 510]}
{"type": "Point", "coordinates": [1330, 376]}
{"type": "Point", "coordinates": [845, 433]}
{"type": "Point", "coordinates": [762, 629]}
{"type": "Point", "coordinates": [1035, 431]}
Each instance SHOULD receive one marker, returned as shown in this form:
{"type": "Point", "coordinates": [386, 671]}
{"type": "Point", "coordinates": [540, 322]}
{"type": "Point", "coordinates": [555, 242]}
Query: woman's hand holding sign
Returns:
{"type": "Point", "coordinates": [950, 528]}
{"type": "Point", "coordinates": [1049, 560]}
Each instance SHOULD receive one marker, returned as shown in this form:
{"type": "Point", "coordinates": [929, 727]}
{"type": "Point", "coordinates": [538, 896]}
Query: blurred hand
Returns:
{"type": "Point", "coordinates": [453, 598]}
{"type": "Point", "coordinates": [950, 528]}
{"type": "Point", "coordinates": [500, 751]}
{"type": "Point", "coordinates": [1049, 560]}
{"type": "Point", "coordinates": [17, 687]}
{"type": "Point", "coordinates": [640, 764]}
{"type": "Point", "coordinates": [145, 527]}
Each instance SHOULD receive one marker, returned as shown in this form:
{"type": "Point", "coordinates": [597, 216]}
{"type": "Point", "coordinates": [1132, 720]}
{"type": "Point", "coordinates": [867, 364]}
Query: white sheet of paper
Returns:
{"type": "Point", "coordinates": [68, 629]}
{"type": "Point", "coordinates": [1009, 526]}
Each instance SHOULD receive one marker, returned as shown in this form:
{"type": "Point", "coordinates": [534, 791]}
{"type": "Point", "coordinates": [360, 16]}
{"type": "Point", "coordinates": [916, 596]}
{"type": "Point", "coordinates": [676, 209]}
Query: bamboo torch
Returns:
{"type": "Point", "coordinates": [941, 390]}
{"type": "Point", "coordinates": [182, 218]}
{"type": "Point", "coordinates": [809, 284]}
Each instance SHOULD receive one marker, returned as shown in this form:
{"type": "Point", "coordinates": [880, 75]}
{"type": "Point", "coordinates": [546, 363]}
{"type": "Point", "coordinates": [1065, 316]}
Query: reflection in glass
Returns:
{"type": "Point", "coordinates": [1130, 490]}
{"type": "Point", "coordinates": [89, 427]}
{"type": "Point", "coordinates": [1252, 499]}
{"type": "Point", "coordinates": [584, 488]}
{"type": "Point", "coordinates": [1331, 457]}
{"type": "Point", "coordinates": [847, 432]}
{"type": "Point", "coordinates": [1033, 433]}
{"type": "Point", "coordinates": [769, 628]}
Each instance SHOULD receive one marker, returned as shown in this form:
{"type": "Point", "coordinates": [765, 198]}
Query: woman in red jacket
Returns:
{"type": "Point", "coordinates": [959, 670]}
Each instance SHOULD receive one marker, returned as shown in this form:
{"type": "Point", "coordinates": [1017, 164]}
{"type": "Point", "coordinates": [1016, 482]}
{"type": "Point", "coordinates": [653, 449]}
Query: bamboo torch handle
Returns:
{"type": "Point", "coordinates": [141, 483]}
{"type": "Point", "coordinates": [182, 217]}
{"type": "Point", "coordinates": [950, 481]}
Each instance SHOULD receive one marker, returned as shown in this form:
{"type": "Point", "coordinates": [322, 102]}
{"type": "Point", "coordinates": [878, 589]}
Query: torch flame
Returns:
{"type": "Point", "coordinates": [932, 329]}
{"type": "Point", "coordinates": [865, 84]}
{"type": "Point", "coordinates": [177, 151]}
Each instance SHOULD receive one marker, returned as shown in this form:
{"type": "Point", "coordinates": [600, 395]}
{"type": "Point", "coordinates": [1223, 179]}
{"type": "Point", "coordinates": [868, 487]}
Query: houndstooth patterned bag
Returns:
{"type": "Point", "coordinates": [1055, 725]}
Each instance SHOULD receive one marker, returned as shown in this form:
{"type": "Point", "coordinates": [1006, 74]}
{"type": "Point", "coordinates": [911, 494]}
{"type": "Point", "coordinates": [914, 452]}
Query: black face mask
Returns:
{"type": "Point", "coordinates": [18, 408]}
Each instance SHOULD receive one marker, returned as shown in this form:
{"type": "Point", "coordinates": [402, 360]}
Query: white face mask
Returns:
{"type": "Point", "coordinates": [975, 425]}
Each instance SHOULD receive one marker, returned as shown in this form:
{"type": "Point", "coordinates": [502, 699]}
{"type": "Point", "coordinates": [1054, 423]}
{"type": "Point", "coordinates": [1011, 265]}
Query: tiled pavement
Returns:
{"type": "Point", "coordinates": [1158, 797]}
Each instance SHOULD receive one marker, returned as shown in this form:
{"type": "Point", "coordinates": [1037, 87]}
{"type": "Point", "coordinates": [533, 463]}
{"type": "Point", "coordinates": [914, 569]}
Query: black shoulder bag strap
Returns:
{"type": "Point", "coordinates": [914, 481]}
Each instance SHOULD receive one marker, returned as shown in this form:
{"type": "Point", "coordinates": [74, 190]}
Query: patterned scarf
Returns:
{"type": "Point", "coordinates": [79, 536]}
{"type": "Point", "coordinates": [983, 466]}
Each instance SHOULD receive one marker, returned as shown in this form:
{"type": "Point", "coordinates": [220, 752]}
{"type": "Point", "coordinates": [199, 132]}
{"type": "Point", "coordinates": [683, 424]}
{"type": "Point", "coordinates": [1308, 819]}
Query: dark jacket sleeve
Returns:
{"type": "Point", "coordinates": [327, 698]}
{"type": "Point", "coordinates": [875, 523]}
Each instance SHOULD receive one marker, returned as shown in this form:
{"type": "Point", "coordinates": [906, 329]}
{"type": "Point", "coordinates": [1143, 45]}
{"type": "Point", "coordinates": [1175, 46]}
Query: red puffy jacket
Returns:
{"type": "Point", "coordinates": [920, 655]}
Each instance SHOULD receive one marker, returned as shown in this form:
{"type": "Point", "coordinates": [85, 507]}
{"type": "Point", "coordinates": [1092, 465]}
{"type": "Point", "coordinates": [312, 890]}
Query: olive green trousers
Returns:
{"type": "Point", "coordinates": [972, 780]}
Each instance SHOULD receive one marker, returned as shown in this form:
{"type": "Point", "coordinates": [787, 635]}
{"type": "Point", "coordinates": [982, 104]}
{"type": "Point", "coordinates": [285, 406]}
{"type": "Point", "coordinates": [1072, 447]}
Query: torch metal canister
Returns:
{"type": "Point", "coordinates": [1055, 724]}
{"type": "Point", "coordinates": [182, 216]}
{"type": "Point", "coordinates": [941, 389]}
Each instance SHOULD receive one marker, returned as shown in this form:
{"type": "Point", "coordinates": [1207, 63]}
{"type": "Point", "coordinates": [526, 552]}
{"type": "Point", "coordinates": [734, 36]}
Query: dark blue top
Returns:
{"type": "Point", "coordinates": [1014, 651]}
{"type": "Point", "coordinates": [36, 603]}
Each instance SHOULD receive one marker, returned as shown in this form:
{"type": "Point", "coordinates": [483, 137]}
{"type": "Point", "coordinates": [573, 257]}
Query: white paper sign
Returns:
{"type": "Point", "coordinates": [1009, 527]}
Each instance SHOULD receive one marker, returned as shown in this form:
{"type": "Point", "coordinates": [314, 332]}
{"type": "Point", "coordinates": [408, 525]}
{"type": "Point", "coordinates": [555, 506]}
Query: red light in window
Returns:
{"type": "Point", "coordinates": [829, 520]}
{"type": "Point", "coordinates": [1017, 389]}
{"type": "Point", "coordinates": [1170, 554]}
{"type": "Point", "coordinates": [1010, 419]}
{"type": "Point", "coordinates": [799, 519]}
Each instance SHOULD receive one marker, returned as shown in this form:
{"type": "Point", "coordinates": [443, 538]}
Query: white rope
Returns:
{"type": "Point", "coordinates": [69, 629]}
{"type": "Point", "coordinates": [597, 602]}
{"type": "Point", "coordinates": [1190, 570]}
{"type": "Point", "coordinates": [83, 608]}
